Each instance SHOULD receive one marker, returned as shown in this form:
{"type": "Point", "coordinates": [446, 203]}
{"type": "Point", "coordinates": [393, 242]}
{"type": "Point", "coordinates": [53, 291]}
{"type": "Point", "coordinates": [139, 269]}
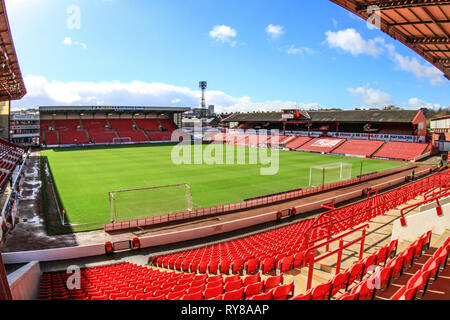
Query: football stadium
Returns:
{"type": "Point", "coordinates": [140, 202]}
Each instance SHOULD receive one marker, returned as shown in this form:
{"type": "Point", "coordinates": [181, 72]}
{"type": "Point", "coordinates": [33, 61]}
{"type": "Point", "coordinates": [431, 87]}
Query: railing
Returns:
{"type": "Point", "coordinates": [245, 205]}
{"type": "Point", "coordinates": [311, 259]}
{"type": "Point", "coordinates": [435, 198]}
{"type": "Point", "coordinates": [434, 193]}
{"type": "Point", "coordinates": [355, 214]}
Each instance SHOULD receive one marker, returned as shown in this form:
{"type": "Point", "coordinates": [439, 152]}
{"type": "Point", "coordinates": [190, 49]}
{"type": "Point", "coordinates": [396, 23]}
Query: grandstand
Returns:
{"type": "Point", "coordinates": [381, 234]}
{"type": "Point", "coordinates": [69, 126]}
{"type": "Point", "coordinates": [402, 150]}
{"type": "Point", "coordinates": [360, 133]}
{"type": "Point", "coordinates": [365, 148]}
{"type": "Point", "coordinates": [257, 267]}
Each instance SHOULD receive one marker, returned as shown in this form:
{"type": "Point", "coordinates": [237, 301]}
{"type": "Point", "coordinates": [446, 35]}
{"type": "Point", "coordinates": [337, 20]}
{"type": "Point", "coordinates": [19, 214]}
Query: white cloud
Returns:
{"type": "Point", "coordinates": [420, 71]}
{"type": "Point", "coordinates": [292, 50]}
{"type": "Point", "coordinates": [224, 34]}
{"type": "Point", "coordinates": [372, 97]}
{"type": "Point", "coordinates": [275, 31]}
{"type": "Point", "coordinates": [416, 103]}
{"type": "Point", "coordinates": [42, 92]}
{"type": "Point", "coordinates": [69, 42]}
{"type": "Point", "coordinates": [349, 40]}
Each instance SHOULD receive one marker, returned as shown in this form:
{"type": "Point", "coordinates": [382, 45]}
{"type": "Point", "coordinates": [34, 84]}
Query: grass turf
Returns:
{"type": "Point", "coordinates": [83, 178]}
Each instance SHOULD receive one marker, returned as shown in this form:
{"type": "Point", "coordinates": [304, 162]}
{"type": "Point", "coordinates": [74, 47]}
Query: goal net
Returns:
{"type": "Point", "coordinates": [149, 202]}
{"type": "Point", "coordinates": [122, 140]}
{"type": "Point", "coordinates": [329, 173]}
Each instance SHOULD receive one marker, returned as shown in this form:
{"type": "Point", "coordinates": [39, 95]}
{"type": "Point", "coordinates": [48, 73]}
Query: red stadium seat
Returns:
{"type": "Point", "coordinates": [263, 296]}
{"type": "Point", "coordinates": [282, 292]}
{"type": "Point", "coordinates": [252, 279]}
{"type": "Point", "coordinates": [193, 296]}
{"type": "Point", "coordinates": [234, 295]}
{"type": "Point", "coordinates": [272, 282]}
{"type": "Point", "coordinates": [322, 291]}
{"type": "Point", "coordinates": [253, 289]}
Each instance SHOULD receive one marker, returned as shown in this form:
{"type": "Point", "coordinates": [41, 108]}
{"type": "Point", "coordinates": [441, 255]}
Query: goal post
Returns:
{"type": "Point", "coordinates": [149, 202]}
{"type": "Point", "coordinates": [122, 140]}
{"type": "Point", "coordinates": [329, 173]}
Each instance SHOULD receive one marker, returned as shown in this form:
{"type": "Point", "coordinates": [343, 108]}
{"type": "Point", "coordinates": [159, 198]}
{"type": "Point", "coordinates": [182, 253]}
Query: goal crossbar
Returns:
{"type": "Point", "coordinates": [329, 173]}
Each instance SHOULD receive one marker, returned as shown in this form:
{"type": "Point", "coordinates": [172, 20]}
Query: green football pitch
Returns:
{"type": "Point", "coordinates": [83, 178]}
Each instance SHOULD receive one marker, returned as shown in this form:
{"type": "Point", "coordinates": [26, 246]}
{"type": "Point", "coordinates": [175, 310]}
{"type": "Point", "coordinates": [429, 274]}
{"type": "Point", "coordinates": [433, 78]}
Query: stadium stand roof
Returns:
{"type": "Point", "coordinates": [48, 109]}
{"type": "Point", "coordinates": [12, 85]}
{"type": "Point", "coordinates": [343, 116]}
{"type": "Point", "coordinates": [422, 25]}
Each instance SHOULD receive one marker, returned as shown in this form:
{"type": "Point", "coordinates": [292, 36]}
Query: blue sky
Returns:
{"type": "Point", "coordinates": [255, 55]}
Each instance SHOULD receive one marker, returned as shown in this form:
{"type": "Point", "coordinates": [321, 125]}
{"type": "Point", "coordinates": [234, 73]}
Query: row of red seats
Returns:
{"type": "Point", "coordinates": [132, 282]}
{"type": "Point", "coordinates": [95, 129]}
{"type": "Point", "coordinates": [343, 280]}
{"type": "Point", "coordinates": [134, 135]}
{"type": "Point", "coordinates": [422, 278]}
{"type": "Point", "coordinates": [73, 137]}
{"type": "Point", "coordinates": [148, 124]}
{"type": "Point", "coordinates": [297, 142]}
{"type": "Point", "coordinates": [402, 150]}
{"type": "Point", "coordinates": [382, 277]}
{"type": "Point", "coordinates": [102, 136]}
{"type": "Point", "coordinates": [325, 145]}
{"type": "Point", "coordinates": [364, 148]}
{"type": "Point", "coordinates": [159, 136]}
{"type": "Point", "coordinates": [10, 155]}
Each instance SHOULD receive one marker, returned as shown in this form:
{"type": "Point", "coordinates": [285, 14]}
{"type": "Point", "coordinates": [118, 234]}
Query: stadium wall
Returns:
{"type": "Point", "coordinates": [24, 282]}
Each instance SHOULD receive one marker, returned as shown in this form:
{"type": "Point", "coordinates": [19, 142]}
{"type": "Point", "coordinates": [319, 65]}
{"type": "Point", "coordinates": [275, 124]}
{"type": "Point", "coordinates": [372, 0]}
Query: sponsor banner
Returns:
{"type": "Point", "coordinates": [119, 108]}
{"type": "Point", "coordinates": [25, 127]}
{"type": "Point", "coordinates": [315, 134]}
{"type": "Point", "coordinates": [373, 136]}
{"type": "Point", "coordinates": [25, 117]}
{"type": "Point", "coordinates": [25, 135]}
{"type": "Point", "coordinates": [325, 143]}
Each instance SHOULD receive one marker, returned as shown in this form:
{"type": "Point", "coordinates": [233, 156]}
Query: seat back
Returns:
{"type": "Point", "coordinates": [322, 291]}
{"type": "Point", "coordinates": [253, 289]}
{"type": "Point", "coordinates": [272, 282]}
{"type": "Point", "coordinates": [234, 295]}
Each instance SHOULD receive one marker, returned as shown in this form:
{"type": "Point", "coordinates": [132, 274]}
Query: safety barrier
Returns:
{"type": "Point", "coordinates": [244, 205]}
{"type": "Point", "coordinates": [311, 259]}
{"type": "Point", "coordinates": [427, 200]}
{"type": "Point", "coordinates": [337, 220]}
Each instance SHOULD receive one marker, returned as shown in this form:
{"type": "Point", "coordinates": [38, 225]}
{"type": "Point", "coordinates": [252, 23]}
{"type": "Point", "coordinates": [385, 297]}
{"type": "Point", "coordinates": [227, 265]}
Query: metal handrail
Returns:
{"type": "Point", "coordinates": [438, 206]}
{"type": "Point", "coordinates": [313, 259]}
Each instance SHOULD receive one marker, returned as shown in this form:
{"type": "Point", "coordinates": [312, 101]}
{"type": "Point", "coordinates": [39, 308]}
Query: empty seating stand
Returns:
{"type": "Point", "coordinates": [148, 124]}
{"type": "Point", "coordinates": [402, 150]}
{"type": "Point", "coordinates": [10, 154]}
{"type": "Point", "coordinates": [324, 145]}
{"type": "Point", "coordinates": [365, 148]}
{"type": "Point", "coordinates": [100, 131]}
{"type": "Point", "coordinates": [297, 142]}
{"type": "Point", "coordinates": [126, 281]}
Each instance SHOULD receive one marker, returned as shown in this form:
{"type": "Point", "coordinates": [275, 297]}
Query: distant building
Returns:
{"type": "Point", "coordinates": [24, 127]}
{"type": "Point", "coordinates": [211, 110]}
{"type": "Point", "coordinates": [440, 128]}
